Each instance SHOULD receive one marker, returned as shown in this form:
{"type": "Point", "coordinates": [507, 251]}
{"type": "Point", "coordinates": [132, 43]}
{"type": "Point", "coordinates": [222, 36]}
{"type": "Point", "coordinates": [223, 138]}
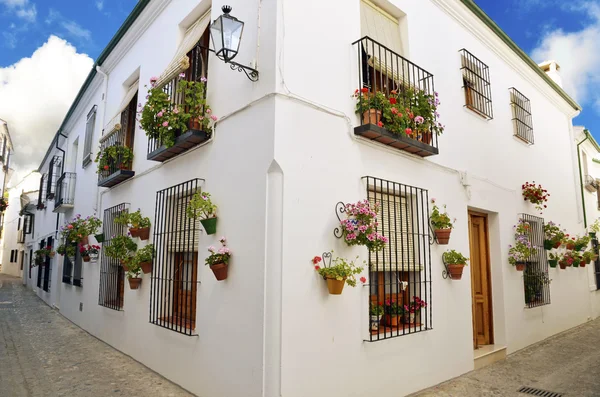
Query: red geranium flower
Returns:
{"type": "Point", "coordinates": [316, 260]}
{"type": "Point", "coordinates": [364, 90]}
{"type": "Point", "coordinates": [317, 267]}
{"type": "Point", "coordinates": [379, 124]}
{"type": "Point", "coordinates": [363, 279]}
{"type": "Point", "coordinates": [393, 101]}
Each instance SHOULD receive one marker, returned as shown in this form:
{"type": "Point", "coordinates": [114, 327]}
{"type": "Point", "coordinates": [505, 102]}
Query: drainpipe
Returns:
{"type": "Point", "coordinates": [62, 170]}
{"type": "Point", "coordinates": [587, 136]}
{"type": "Point", "coordinates": [104, 96]}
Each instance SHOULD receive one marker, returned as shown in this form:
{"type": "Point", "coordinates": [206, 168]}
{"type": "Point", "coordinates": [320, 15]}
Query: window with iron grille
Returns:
{"type": "Point", "coordinates": [67, 270]}
{"type": "Point", "coordinates": [536, 282]}
{"type": "Point", "coordinates": [476, 84]}
{"type": "Point", "coordinates": [112, 275]}
{"type": "Point", "coordinates": [12, 256]}
{"type": "Point", "coordinates": [28, 223]}
{"type": "Point", "coordinates": [41, 267]}
{"type": "Point", "coordinates": [48, 267]}
{"type": "Point", "coordinates": [42, 192]}
{"type": "Point", "coordinates": [401, 272]}
{"type": "Point", "coordinates": [89, 136]}
{"type": "Point", "coordinates": [175, 274]}
{"type": "Point", "coordinates": [30, 261]}
{"type": "Point", "coordinates": [521, 113]}
{"type": "Point", "coordinates": [21, 258]}
{"type": "Point", "coordinates": [596, 248]}
{"type": "Point", "coordinates": [54, 172]}
{"type": "Point", "coordinates": [72, 271]}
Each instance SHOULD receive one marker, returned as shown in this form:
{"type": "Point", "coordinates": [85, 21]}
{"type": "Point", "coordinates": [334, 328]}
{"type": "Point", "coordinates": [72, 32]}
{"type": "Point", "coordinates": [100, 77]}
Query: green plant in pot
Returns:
{"type": "Point", "coordinates": [594, 228]}
{"type": "Point", "coordinates": [376, 314]}
{"type": "Point", "coordinates": [67, 250]}
{"type": "Point", "coordinates": [121, 248]}
{"type": "Point", "coordinates": [201, 207]}
{"type": "Point", "coordinates": [587, 257]}
{"type": "Point", "coordinates": [338, 273]}
{"type": "Point", "coordinates": [553, 236]}
{"type": "Point", "coordinates": [393, 313]}
{"type": "Point", "coordinates": [143, 257]}
{"type": "Point", "coordinates": [554, 259]}
{"type": "Point", "coordinates": [441, 223]}
{"type": "Point", "coordinates": [114, 156]}
{"type": "Point", "coordinates": [78, 230]}
{"type": "Point", "coordinates": [133, 275]}
{"type": "Point", "coordinates": [455, 261]}
{"type": "Point", "coordinates": [218, 260]}
{"type": "Point", "coordinates": [139, 225]}
{"type": "Point", "coordinates": [582, 242]}
{"type": "Point", "coordinates": [519, 254]}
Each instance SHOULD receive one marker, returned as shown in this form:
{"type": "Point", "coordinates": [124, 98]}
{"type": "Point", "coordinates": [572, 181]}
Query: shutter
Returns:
{"type": "Point", "coordinates": [180, 61]}
{"type": "Point", "coordinates": [395, 222]}
{"type": "Point", "coordinates": [184, 233]}
{"type": "Point", "coordinates": [598, 196]}
{"type": "Point", "coordinates": [49, 180]}
{"type": "Point", "coordinates": [380, 26]}
{"type": "Point", "coordinates": [115, 122]}
{"type": "Point", "coordinates": [89, 136]}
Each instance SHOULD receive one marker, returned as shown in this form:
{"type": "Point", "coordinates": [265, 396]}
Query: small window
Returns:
{"type": "Point", "coordinates": [536, 282]}
{"type": "Point", "coordinates": [175, 274]}
{"type": "Point", "coordinates": [40, 268]}
{"type": "Point", "coordinates": [28, 223]}
{"type": "Point", "coordinates": [476, 84]}
{"type": "Point", "coordinates": [67, 270]}
{"type": "Point", "coordinates": [12, 256]}
{"type": "Point", "coordinates": [21, 258]}
{"type": "Point", "coordinates": [47, 267]}
{"type": "Point", "coordinates": [53, 174]}
{"type": "Point", "coordinates": [112, 275]}
{"type": "Point", "coordinates": [89, 136]}
{"type": "Point", "coordinates": [521, 113]}
{"type": "Point", "coordinates": [42, 192]}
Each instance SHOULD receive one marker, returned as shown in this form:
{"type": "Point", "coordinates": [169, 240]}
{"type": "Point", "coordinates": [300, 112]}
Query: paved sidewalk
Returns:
{"type": "Point", "coordinates": [568, 363]}
{"type": "Point", "coordinates": [43, 354]}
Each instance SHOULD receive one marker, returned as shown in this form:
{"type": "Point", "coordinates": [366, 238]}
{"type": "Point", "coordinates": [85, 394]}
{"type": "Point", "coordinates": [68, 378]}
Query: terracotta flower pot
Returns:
{"type": "Point", "coordinates": [124, 265]}
{"type": "Point", "coordinates": [562, 265]}
{"type": "Point", "coordinates": [134, 283]}
{"type": "Point", "coordinates": [582, 263]}
{"type": "Point", "coordinates": [146, 267]}
{"type": "Point", "coordinates": [557, 244]}
{"type": "Point", "coordinates": [443, 236]}
{"type": "Point", "coordinates": [210, 225]}
{"type": "Point", "coordinates": [335, 286]}
{"type": "Point", "coordinates": [426, 137]}
{"type": "Point", "coordinates": [86, 258]}
{"type": "Point", "coordinates": [409, 318]}
{"type": "Point", "coordinates": [144, 233]}
{"type": "Point", "coordinates": [520, 266]}
{"type": "Point", "coordinates": [195, 124]}
{"type": "Point", "coordinates": [371, 116]}
{"type": "Point", "coordinates": [134, 231]}
{"type": "Point", "coordinates": [51, 254]}
{"type": "Point", "coordinates": [456, 271]}
{"type": "Point", "coordinates": [570, 246]}
{"type": "Point", "coordinates": [392, 320]}
{"type": "Point", "coordinates": [84, 240]}
{"type": "Point", "coordinates": [220, 271]}
{"type": "Point", "coordinates": [552, 262]}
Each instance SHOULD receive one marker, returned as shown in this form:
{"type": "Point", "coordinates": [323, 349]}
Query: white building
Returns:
{"type": "Point", "coordinates": [286, 150]}
{"type": "Point", "coordinates": [6, 149]}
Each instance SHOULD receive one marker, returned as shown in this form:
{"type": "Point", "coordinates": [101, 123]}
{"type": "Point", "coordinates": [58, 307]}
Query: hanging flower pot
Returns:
{"type": "Point", "coordinates": [570, 246]}
{"type": "Point", "coordinates": [592, 234]}
{"type": "Point", "coordinates": [562, 264]}
{"type": "Point", "coordinates": [371, 116]}
{"type": "Point", "coordinates": [86, 258]}
{"type": "Point", "coordinates": [220, 271]}
{"type": "Point", "coordinates": [582, 263]}
{"type": "Point", "coordinates": [134, 231]}
{"type": "Point", "coordinates": [84, 240]}
{"type": "Point", "coordinates": [557, 244]}
{"type": "Point", "coordinates": [393, 320]}
{"type": "Point", "coordinates": [146, 267]}
{"type": "Point", "coordinates": [144, 233]}
{"type": "Point", "coordinates": [99, 237]}
{"type": "Point", "coordinates": [576, 263]}
{"type": "Point", "coordinates": [548, 245]}
{"type": "Point", "coordinates": [124, 265]}
{"type": "Point", "coordinates": [51, 254]}
{"type": "Point", "coordinates": [520, 266]}
{"type": "Point", "coordinates": [134, 282]}
{"type": "Point", "coordinates": [456, 271]}
{"type": "Point", "coordinates": [94, 257]}
{"type": "Point", "coordinates": [210, 225]}
{"type": "Point", "coordinates": [443, 236]}
{"type": "Point", "coordinates": [335, 286]}
{"type": "Point", "coordinates": [553, 262]}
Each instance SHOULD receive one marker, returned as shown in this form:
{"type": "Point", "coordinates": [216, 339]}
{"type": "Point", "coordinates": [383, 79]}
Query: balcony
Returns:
{"type": "Point", "coordinates": [396, 101]}
{"type": "Point", "coordinates": [65, 192]}
{"type": "Point", "coordinates": [118, 168]}
{"type": "Point", "coordinates": [591, 184]}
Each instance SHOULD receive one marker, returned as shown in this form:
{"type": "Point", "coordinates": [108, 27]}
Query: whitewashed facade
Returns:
{"type": "Point", "coordinates": [6, 150]}
{"type": "Point", "coordinates": [284, 152]}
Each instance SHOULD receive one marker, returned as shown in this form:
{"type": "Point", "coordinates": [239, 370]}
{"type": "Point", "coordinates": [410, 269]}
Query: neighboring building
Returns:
{"type": "Point", "coordinates": [286, 150]}
{"type": "Point", "coordinates": [6, 149]}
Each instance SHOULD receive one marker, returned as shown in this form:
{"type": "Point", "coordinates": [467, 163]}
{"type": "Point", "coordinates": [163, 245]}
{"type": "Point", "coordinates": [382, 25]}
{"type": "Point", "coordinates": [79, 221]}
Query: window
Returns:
{"type": "Point", "coordinates": [401, 272]}
{"type": "Point", "coordinates": [77, 276]}
{"type": "Point", "coordinates": [380, 26]}
{"type": "Point", "coordinates": [596, 249]}
{"type": "Point", "coordinates": [112, 275]}
{"type": "Point", "coordinates": [42, 192]}
{"type": "Point", "coordinates": [12, 256]}
{"type": "Point", "coordinates": [30, 261]}
{"type": "Point", "coordinates": [28, 223]}
{"type": "Point", "coordinates": [72, 271]}
{"type": "Point", "coordinates": [47, 266]}
{"type": "Point", "coordinates": [536, 282]}
{"type": "Point", "coordinates": [89, 136]}
{"type": "Point", "coordinates": [174, 278]}
{"type": "Point", "coordinates": [476, 83]}
{"type": "Point", "coordinates": [521, 113]}
{"type": "Point", "coordinates": [54, 170]}
{"type": "Point", "coordinates": [40, 268]}
{"type": "Point", "coordinates": [67, 270]}
{"type": "Point", "coordinates": [21, 258]}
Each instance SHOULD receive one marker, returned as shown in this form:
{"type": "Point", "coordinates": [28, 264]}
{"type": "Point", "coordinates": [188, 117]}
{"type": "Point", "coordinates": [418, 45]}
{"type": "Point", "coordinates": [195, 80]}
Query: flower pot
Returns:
{"type": "Point", "coordinates": [195, 124]}
{"type": "Point", "coordinates": [456, 271]}
{"type": "Point", "coordinates": [520, 266]}
{"type": "Point", "coordinates": [442, 236]}
{"type": "Point", "coordinates": [99, 237]}
{"type": "Point", "coordinates": [409, 318]}
{"type": "Point", "coordinates": [562, 265]}
{"type": "Point", "coordinates": [552, 262]}
{"type": "Point", "coordinates": [557, 244]}
{"type": "Point", "coordinates": [86, 258]}
{"type": "Point", "coordinates": [144, 233]}
{"type": "Point", "coordinates": [570, 246]}
{"type": "Point", "coordinates": [392, 320]}
{"type": "Point", "coordinates": [335, 286]}
{"type": "Point", "coordinates": [592, 234]}
{"type": "Point", "coordinates": [134, 282]}
{"type": "Point", "coordinates": [375, 322]}
{"type": "Point", "coordinates": [93, 257]}
{"type": "Point", "coordinates": [579, 247]}
{"type": "Point", "coordinates": [210, 225]}
{"type": "Point", "coordinates": [51, 255]}
{"type": "Point", "coordinates": [548, 245]}
{"type": "Point", "coordinates": [134, 231]}
{"type": "Point", "coordinates": [220, 271]}
{"type": "Point", "coordinates": [426, 137]}
{"type": "Point", "coordinates": [371, 116]}
{"type": "Point", "coordinates": [582, 263]}
{"type": "Point", "coordinates": [575, 263]}
{"type": "Point", "coordinates": [146, 267]}
{"type": "Point", "coordinates": [84, 240]}
{"type": "Point", "coordinates": [124, 264]}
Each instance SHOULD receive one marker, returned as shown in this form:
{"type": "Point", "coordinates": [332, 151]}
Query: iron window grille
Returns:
{"type": "Point", "coordinates": [21, 258]}
{"type": "Point", "coordinates": [536, 283]}
{"type": "Point", "coordinates": [72, 271]}
{"type": "Point", "coordinates": [54, 170]}
{"type": "Point", "coordinates": [402, 270]}
{"type": "Point", "coordinates": [89, 136]}
{"type": "Point", "coordinates": [48, 266]}
{"type": "Point", "coordinates": [596, 248]}
{"type": "Point", "coordinates": [30, 261]}
{"type": "Point", "coordinates": [383, 70]}
{"type": "Point", "coordinates": [175, 275]}
{"type": "Point", "coordinates": [476, 84]}
{"type": "Point", "coordinates": [67, 270]}
{"type": "Point", "coordinates": [42, 192]}
{"type": "Point", "coordinates": [28, 223]}
{"type": "Point", "coordinates": [521, 112]}
{"type": "Point", "coordinates": [41, 267]}
{"type": "Point", "coordinates": [65, 190]}
{"type": "Point", "coordinates": [112, 275]}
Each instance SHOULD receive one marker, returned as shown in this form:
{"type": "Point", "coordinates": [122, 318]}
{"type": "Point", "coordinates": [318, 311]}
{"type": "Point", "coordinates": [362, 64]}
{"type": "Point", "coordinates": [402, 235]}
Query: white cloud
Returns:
{"type": "Point", "coordinates": [75, 30]}
{"type": "Point", "coordinates": [100, 4]}
{"type": "Point", "coordinates": [10, 39]}
{"type": "Point", "coordinates": [22, 9]}
{"type": "Point", "coordinates": [35, 94]}
{"type": "Point", "coordinates": [71, 28]}
{"type": "Point", "coordinates": [28, 14]}
{"type": "Point", "coordinates": [14, 3]}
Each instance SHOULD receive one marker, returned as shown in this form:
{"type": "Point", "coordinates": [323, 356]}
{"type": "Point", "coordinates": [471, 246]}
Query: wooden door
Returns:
{"type": "Point", "coordinates": [184, 285]}
{"type": "Point", "coordinates": [480, 280]}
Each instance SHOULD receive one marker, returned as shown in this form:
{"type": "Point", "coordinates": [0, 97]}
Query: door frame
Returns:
{"type": "Point", "coordinates": [489, 278]}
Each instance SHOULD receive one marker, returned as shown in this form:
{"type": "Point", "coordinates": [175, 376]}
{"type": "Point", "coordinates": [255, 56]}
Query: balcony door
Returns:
{"type": "Point", "coordinates": [481, 290]}
{"type": "Point", "coordinates": [128, 121]}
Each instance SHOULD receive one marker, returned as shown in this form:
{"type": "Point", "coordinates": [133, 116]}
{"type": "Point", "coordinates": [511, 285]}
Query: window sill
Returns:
{"type": "Point", "coordinates": [414, 146]}
{"type": "Point", "coordinates": [387, 331]}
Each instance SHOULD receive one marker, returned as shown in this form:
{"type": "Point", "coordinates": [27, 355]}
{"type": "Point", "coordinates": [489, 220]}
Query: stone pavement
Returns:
{"type": "Point", "coordinates": [567, 363]}
{"type": "Point", "coordinates": [43, 354]}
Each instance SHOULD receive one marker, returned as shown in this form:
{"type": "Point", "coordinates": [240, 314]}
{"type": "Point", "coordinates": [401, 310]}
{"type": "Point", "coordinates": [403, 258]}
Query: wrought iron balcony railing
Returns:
{"type": "Point", "coordinates": [119, 166]}
{"type": "Point", "coordinates": [396, 100]}
{"type": "Point", "coordinates": [65, 192]}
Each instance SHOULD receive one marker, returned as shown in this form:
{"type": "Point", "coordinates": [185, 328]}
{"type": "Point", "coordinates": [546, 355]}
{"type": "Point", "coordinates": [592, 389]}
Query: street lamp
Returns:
{"type": "Point", "coordinates": [226, 35]}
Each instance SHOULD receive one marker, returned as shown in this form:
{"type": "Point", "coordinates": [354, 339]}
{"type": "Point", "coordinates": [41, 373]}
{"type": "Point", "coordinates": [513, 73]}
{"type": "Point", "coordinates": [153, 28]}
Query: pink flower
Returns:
{"type": "Point", "coordinates": [208, 111]}
{"type": "Point", "coordinates": [223, 240]}
{"type": "Point", "coordinates": [176, 110]}
{"type": "Point", "coordinates": [159, 114]}
{"type": "Point", "coordinates": [69, 226]}
{"type": "Point", "coordinates": [363, 279]}
{"type": "Point", "coordinates": [182, 75]}
{"type": "Point", "coordinates": [153, 79]}
{"type": "Point", "coordinates": [213, 117]}
{"type": "Point", "coordinates": [211, 249]}
{"type": "Point", "coordinates": [394, 110]}
{"type": "Point", "coordinates": [351, 236]}
{"type": "Point", "coordinates": [165, 124]}
{"type": "Point", "coordinates": [203, 79]}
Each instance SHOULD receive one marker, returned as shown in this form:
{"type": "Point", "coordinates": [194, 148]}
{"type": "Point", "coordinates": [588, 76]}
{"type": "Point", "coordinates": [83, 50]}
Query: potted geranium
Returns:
{"type": "Point", "coordinates": [338, 273]}
{"type": "Point", "coordinates": [456, 263]}
{"type": "Point", "coordinates": [80, 228]}
{"type": "Point", "coordinates": [133, 275]}
{"type": "Point", "coordinates": [442, 224]}
{"type": "Point", "coordinates": [555, 259]}
{"type": "Point", "coordinates": [360, 226]}
{"type": "Point", "coordinates": [139, 226]}
{"type": "Point", "coordinates": [201, 206]}
{"type": "Point", "coordinates": [553, 236]}
{"type": "Point", "coordinates": [581, 243]}
{"type": "Point", "coordinates": [87, 251]}
{"type": "Point", "coordinates": [586, 257]}
{"type": "Point", "coordinates": [121, 248]}
{"type": "Point", "coordinates": [535, 194]}
{"type": "Point", "coordinates": [143, 257]}
{"type": "Point", "coordinates": [218, 260]}
{"type": "Point", "coordinates": [376, 313]}
{"type": "Point", "coordinates": [412, 309]}
{"type": "Point", "coordinates": [371, 105]}
{"type": "Point", "coordinates": [67, 250]}
{"type": "Point", "coordinates": [594, 228]}
{"type": "Point", "coordinates": [566, 260]}
{"type": "Point", "coordinates": [523, 249]}
{"type": "Point", "coordinates": [393, 313]}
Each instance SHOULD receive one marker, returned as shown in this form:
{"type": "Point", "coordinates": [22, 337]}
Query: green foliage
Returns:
{"type": "Point", "coordinates": [134, 269]}
{"type": "Point", "coordinates": [588, 256]}
{"type": "Point", "coordinates": [523, 248]}
{"type": "Point", "coordinates": [440, 220]}
{"type": "Point", "coordinates": [393, 308]}
{"type": "Point", "coordinates": [453, 257]}
{"type": "Point", "coordinates": [79, 228]}
{"type": "Point", "coordinates": [118, 155]}
{"type": "Point", "coordinates": [222, 255]}
{"type": "Point", "coordinates": [376, 310]}
{"type": "Point", "coordinates": [66, 249]}
{"type": "Point", "coordinates": [143, 255]}
{"type": "Point", "coordinates": [133, 219]}
{"type": "Point", "coordinates": [201, 206]}
{"type": "Point", "coordinates": [553, 233]}
{"type": "Point", "coordinates": [120, 247]}
{"type": "Point", "coordinates": [341, 269]}
{"type": "Point", "coordinates": [595, 227]}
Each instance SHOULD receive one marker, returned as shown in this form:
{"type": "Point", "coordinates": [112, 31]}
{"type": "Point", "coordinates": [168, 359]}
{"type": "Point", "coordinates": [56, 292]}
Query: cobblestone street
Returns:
{"type": "Point", "coordinates": [43, 354]}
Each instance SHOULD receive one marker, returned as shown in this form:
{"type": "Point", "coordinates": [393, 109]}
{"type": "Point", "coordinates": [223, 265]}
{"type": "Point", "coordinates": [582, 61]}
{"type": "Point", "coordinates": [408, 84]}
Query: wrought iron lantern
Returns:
{"type": "Point", "coordinates": [226, 35]}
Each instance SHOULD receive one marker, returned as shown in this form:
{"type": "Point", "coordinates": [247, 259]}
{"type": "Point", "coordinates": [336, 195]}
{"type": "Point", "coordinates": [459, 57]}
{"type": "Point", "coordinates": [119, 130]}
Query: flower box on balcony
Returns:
{"type": "Point", "coordinates": [115, 178]}
{"type": "Point", "coordinates": [183, 143]}
{"type": "Point", "coordinates": [410, 145]}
